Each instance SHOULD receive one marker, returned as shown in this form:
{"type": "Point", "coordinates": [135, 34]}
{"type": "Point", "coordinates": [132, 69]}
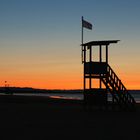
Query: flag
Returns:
{"type": "Point", "coordinates": [86, 24]}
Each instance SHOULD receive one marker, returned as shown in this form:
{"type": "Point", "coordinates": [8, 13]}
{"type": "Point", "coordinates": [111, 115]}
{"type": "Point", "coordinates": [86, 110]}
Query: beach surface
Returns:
{"type": "Point", "coordinates": [26, 117]}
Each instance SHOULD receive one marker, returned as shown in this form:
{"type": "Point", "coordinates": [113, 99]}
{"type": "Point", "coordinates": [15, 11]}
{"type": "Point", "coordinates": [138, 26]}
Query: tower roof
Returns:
{"type": "Point", "coordinates": [98, 43]}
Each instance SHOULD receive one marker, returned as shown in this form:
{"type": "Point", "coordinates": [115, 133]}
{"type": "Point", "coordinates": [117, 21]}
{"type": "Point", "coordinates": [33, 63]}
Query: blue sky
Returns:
{"type": "Point", "coordinates": [45, 35]}
{"type": "Point", "coordinates": [53, 16]}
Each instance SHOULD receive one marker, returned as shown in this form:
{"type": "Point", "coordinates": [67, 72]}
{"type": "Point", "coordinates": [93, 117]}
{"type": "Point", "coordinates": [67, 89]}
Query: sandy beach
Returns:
{"type": "Point", "coordinates": [23, 117]}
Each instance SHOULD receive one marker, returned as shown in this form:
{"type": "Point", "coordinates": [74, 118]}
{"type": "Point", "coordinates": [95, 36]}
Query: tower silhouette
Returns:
{"type": "Point", "coordinates": [100, 80]}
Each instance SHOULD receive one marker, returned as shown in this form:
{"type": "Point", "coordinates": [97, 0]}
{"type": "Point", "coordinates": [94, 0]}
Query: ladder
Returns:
{"type": "Point", "coordinates": [115, 87]}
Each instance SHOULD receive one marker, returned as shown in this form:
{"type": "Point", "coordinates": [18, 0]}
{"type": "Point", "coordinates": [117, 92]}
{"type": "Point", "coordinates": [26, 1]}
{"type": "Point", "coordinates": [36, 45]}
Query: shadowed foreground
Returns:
{"type": "Point", "coordinates": [42, 118]}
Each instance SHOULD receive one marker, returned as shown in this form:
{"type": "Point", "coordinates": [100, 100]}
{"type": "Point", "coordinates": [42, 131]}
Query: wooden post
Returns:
{"type": "Point", "coordinates": [90, 60]}
{"type": "Point", "coordinates": [84, 67]}
{"type": "Point", "coordinates": [100, 55]}
{"type": "Point", "coordinates": [107, 54]}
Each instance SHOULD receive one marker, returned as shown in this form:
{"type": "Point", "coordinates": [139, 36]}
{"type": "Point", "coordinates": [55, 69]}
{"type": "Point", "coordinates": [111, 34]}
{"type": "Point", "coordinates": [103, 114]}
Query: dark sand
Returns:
{"type": "Point", "coordinates": [38, 118]}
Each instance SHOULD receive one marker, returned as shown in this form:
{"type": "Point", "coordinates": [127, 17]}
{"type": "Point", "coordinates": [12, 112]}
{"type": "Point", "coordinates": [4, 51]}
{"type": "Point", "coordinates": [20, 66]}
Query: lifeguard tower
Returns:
{"type": "Point", "coordinates": [99, 78]}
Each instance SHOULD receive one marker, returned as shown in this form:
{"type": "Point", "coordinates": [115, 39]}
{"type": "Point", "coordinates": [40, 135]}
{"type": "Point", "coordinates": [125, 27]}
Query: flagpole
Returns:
{"type": "Point", "coordinates": [88, 25]}
{"type": "Point", "coordinates": [82, 40]}
{"type": "Point", "coordinates": [82, 31]}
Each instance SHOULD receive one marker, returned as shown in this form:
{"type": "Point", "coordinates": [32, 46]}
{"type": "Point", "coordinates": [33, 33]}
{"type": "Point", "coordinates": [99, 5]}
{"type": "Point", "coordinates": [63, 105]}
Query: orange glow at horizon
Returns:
{"type": "Point", "coordinates": [64, 82]}
{"type": "Point", "coordinates": [53, 84]}
{"type": "Point", "coordinates": [131, 81]}
{"type": "Point", "coordinates": [45, 81]}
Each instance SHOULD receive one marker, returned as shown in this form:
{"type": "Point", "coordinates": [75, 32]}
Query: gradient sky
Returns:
{"type": "Point", "coordinates": [40, 40]}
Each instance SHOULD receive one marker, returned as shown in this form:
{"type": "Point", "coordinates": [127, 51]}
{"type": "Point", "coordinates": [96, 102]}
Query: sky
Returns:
{"type": "Point", "coordinates": [40, 41]}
